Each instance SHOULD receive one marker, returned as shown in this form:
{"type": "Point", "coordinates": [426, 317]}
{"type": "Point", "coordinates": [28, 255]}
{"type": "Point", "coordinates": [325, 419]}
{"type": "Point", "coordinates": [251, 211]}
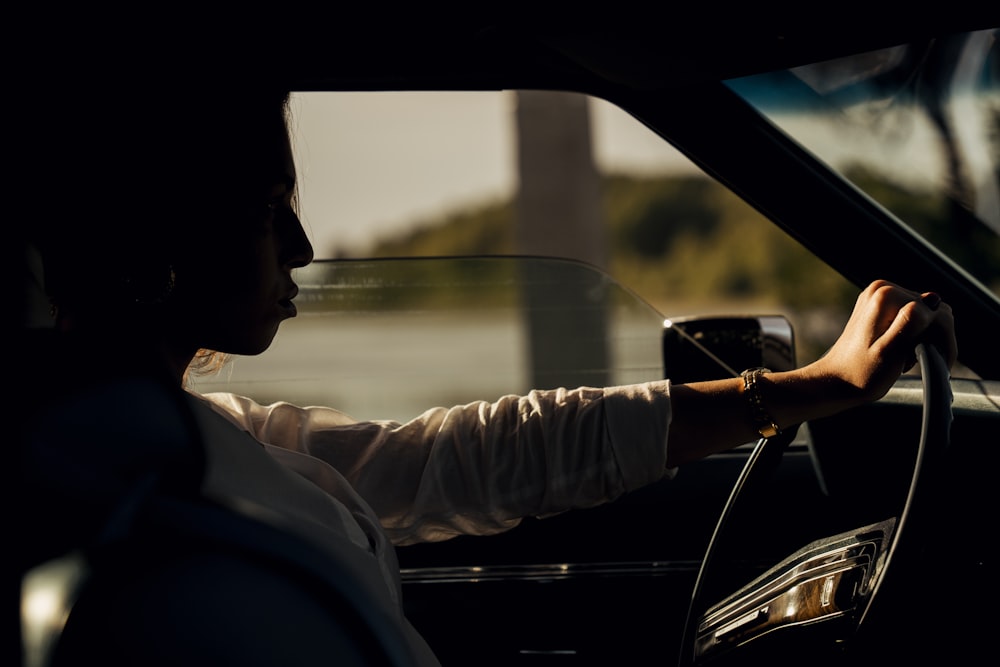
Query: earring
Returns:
{"type": "Point", "coordinates": [147, 288]}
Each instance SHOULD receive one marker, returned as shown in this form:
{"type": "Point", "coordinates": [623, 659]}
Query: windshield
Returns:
{"type": "Point", "coordinates": [916, 127]}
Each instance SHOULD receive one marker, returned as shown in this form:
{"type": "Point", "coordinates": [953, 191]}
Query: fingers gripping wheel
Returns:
{"type": "Point", "coordinates": [834, 597]}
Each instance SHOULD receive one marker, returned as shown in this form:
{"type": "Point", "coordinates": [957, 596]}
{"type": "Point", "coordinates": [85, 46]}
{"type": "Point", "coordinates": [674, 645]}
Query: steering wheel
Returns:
{"type": "Point", "coordinates": [822, 602]}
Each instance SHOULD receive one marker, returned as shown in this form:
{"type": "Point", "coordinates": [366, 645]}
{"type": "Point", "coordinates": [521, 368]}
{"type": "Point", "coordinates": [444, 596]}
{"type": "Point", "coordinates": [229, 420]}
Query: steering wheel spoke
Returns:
{"type": "Point", "coordinates": [824, 596]}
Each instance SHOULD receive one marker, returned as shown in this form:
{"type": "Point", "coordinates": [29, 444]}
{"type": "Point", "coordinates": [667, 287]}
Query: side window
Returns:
{"type": "Point", "coordinates": [551, 174]}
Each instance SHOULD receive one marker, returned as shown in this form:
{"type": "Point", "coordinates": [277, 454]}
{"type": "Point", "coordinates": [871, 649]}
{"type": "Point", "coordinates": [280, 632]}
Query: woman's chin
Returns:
{"type": "Point", "coordinates": [249, 346]}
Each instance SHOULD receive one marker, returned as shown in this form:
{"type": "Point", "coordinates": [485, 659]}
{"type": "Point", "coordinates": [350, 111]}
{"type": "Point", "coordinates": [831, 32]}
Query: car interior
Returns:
{"type": "Point", "coordinates": [856, 539]}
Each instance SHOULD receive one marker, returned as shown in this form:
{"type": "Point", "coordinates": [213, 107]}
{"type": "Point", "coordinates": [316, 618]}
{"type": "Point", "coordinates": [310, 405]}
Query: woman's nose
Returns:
{"type": "Point", "coordinates": [297, 249]}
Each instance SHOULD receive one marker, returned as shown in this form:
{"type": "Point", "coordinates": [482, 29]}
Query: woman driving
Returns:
{"type": "Point", "coordinates": [173, 239]}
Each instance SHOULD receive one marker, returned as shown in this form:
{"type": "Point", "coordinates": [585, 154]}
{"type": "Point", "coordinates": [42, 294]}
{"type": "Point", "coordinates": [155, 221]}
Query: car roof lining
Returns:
{"type": "Point", "coordinates": [600, 55]}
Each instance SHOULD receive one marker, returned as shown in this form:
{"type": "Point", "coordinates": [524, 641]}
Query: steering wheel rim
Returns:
{"type": "Point", "coordinates": [911, 528]}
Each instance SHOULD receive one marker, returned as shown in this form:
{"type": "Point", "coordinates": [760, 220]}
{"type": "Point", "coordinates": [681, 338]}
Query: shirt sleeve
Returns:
{"type": "Point", "coordinates": [482, 467]}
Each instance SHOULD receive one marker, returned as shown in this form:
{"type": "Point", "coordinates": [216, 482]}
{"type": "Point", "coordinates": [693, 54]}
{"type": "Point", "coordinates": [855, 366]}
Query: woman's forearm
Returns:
{"type": "Point", "coordinates": [717, 415]}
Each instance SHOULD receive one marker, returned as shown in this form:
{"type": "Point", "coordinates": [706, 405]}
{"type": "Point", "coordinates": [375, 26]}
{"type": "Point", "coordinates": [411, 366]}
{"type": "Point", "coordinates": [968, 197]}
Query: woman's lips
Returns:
{"type": "Point", "coordinates": [287, 305]}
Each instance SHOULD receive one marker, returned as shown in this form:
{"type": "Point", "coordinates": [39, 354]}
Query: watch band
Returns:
{"type": "Point", "coordinates": [751, 389]}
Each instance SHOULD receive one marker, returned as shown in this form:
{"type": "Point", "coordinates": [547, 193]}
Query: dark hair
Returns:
{"type": "Point", "coordinates": [141, 174]}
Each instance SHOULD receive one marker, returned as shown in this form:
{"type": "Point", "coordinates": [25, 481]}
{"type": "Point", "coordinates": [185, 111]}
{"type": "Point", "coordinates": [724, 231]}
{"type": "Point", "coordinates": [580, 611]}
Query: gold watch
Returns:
{"type": "Point", "coordinates": [751, 389]}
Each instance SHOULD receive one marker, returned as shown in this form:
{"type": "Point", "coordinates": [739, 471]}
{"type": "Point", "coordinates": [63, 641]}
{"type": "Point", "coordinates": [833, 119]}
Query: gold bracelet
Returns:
{"type": "Point", "coordinates": [761, 420]}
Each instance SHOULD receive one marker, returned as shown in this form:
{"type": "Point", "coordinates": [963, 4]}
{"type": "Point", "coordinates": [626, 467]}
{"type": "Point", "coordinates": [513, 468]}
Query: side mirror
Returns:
{"type": "Point", "coordinates": [712, 348]}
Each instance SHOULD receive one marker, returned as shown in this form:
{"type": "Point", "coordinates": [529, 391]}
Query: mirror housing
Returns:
{"type": "Point", "coordinates": [713, 348]}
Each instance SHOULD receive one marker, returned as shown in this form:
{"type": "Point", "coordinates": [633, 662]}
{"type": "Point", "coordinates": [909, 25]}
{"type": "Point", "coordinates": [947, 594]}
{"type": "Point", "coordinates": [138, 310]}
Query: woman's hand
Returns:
{"type": "Point", "coordinates": [877, 343]}
{"type": "Point", "coordinates": [875, 348]}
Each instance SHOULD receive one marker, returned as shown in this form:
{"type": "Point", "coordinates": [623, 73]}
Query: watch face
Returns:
{"type": "Point", "coordinates": [769, 431]}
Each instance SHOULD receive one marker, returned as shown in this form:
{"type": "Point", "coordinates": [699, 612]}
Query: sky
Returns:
{"type": "Point", "coordinates": [370, 163]}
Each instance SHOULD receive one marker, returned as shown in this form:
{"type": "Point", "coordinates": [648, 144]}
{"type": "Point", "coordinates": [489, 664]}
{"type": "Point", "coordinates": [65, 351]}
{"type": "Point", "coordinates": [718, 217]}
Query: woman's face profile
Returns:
{"type": "Point", "coordinates": [234, 293]}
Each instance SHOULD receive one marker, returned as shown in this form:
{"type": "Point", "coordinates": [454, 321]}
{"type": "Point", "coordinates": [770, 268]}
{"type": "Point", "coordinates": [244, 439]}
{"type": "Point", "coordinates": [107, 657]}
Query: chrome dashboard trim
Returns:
{"type": "Point", "coordinates": [543, 572]}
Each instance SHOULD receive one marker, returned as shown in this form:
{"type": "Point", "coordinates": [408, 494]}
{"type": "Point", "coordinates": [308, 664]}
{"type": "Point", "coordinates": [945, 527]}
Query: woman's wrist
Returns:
{"type": "Point", "coordinates": [716, 415]}
{"type": "Point", "coordinates": [794, 397]}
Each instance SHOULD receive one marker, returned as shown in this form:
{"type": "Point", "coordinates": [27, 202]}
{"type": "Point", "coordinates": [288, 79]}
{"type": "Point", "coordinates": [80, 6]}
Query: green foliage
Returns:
{"type": "Point", "coordinates": [713, 247]}
{"type": "Point", "coordinates": [487, 230]}
{"type": "Point", "coordinates": [638, 210]}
